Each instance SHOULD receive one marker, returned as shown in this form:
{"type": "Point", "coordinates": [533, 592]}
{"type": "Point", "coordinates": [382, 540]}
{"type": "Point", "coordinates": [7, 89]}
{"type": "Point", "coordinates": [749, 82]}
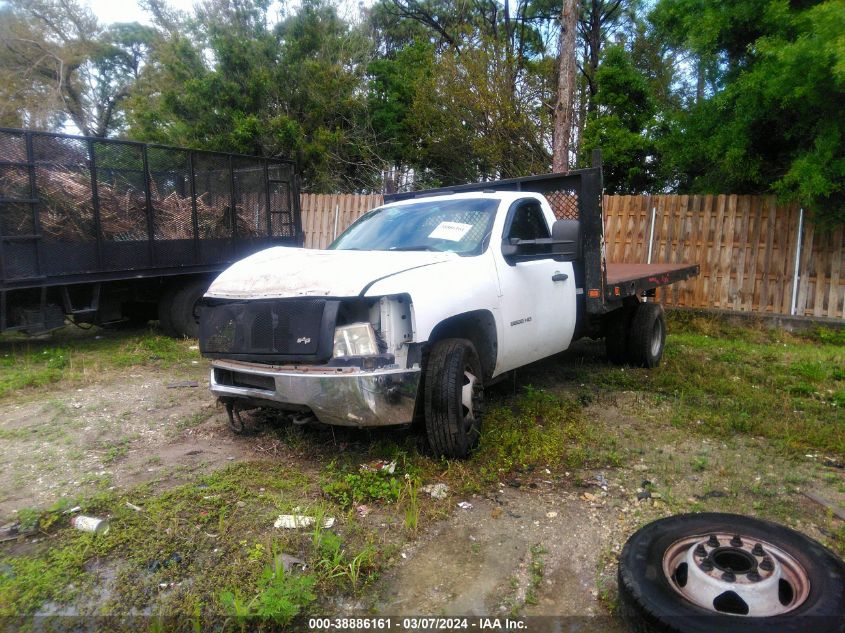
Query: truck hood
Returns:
{"type": "Point", "coordinates": [282, 272]}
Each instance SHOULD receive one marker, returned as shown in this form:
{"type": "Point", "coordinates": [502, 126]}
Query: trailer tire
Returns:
{"type": "Point", "coordinates": [183, 313]}
{"type": "Point", "coordinates": [660, 593]}
{"type": "Point", "coordinates": [617, 333]}
{"type": "Point", "coordinates": [165, 311]}
{"type": "Point", "coordinates": [647, 335]}
{"type": "Point", "coordinates": [453, 398]}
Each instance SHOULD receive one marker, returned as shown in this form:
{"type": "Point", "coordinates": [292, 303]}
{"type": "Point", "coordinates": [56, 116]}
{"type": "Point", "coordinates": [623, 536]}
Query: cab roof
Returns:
{"type": "Point", "coordinates": [506, 196]}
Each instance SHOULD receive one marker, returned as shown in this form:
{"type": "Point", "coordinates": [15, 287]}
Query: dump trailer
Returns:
{"type": "Point", "coordinates": [425, 301]}
{"type": "Point", "coordinates": [99, 230]}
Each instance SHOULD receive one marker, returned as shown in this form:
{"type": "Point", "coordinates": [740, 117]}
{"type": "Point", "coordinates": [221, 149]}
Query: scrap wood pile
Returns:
{"type": "Point", "coordinates": [66, 209]}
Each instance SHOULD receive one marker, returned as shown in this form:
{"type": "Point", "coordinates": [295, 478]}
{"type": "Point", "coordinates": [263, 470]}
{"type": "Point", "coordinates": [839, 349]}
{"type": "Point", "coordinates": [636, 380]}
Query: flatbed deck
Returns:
{"type": "Point", "coordinates": [626, 280]}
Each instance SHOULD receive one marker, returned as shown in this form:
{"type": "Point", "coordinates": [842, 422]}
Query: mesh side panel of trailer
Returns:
{"type": "Point", "coordinates": [170, 194]}
{"type": "Point", "coordinates": [120, 192]}
{"type": "Point", "coordinates": [213, 182]}
{"type": "Point", "coordinates": [73, 205]}
{"type": "Point", "coordinates": [12, 147]}
{"type": "Point", "coordinates": [15, 216]}
{"type": "Point", "coordinates": [250, 197]}
{"type": "Point", "coordinates": [281, 212]}
{"type": "Point", "coordinates": [65, 204]}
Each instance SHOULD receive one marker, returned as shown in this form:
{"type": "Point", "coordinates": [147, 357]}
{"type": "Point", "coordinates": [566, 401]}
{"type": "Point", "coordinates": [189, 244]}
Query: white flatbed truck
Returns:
{"type": "Point", "coordinates": [424, 301]}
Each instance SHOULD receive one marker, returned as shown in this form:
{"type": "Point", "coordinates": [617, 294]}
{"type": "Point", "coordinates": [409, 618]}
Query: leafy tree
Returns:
{"type": "Point", "coordinates": [227, 80]}
{"type": "Point", "coordinates": [773, 119]}
{"type": "Point", "coordinates": [622, 125]}
{"type": "Point", "coordinates": [393, 88]}
{"type": "Point", "coordinates": [472, 125]}
{"type": "Point", "coordinates": [59, 64]}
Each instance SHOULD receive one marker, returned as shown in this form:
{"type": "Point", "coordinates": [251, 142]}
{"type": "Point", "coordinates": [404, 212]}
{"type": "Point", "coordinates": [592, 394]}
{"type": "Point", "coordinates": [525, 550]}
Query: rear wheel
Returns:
{"type": "Point", "coordinates": [454, 398]}
{"type": "Point", "coordinates": [647, 335]}
{"type": "Point", "coordinates": [184, 313]}
{"type": "Point", "coordinates": [616, 334]}
{"type": "Point", "coordinates": [165, 311]}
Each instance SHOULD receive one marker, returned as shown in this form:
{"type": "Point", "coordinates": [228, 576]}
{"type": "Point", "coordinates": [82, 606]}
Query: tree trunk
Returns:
{"type": "Point", "coordinates": [699, 84]}
{"type": "Point", "coordinates": [565, 86]}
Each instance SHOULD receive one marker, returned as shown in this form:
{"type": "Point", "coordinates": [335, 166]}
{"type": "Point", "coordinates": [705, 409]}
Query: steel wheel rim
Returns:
{"type": "Point", "coordinates": [735, 575]}
{"type": "Point", "coordinates": [471, 394]}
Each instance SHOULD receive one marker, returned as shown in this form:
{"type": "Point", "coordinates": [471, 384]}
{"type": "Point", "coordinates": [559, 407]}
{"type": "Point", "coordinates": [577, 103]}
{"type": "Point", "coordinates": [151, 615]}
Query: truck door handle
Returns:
{"type": "Point", "coordinates": [560, 277]}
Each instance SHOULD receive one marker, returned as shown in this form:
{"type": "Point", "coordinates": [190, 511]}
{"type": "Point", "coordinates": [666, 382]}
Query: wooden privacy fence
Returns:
{"type": "Point", "coordinates": [324, 216]}
{"type": "Point", "coordinates": [747, 247]}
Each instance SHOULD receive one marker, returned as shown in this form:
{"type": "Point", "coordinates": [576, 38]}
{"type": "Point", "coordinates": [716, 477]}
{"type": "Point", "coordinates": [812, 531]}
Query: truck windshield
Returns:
{"type": "Point", "coordinates": [459, 226]}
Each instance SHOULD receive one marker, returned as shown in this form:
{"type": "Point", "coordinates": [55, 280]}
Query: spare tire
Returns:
{"type": "Point", "coordinates": [700, 573]}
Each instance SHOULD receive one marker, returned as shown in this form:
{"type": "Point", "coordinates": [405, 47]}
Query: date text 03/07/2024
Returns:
{"type": "Point", "coordinates": [417, 624]}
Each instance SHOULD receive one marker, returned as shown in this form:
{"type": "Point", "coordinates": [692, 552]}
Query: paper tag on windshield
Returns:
{"type": "Point", "coordinates": [452, 231]}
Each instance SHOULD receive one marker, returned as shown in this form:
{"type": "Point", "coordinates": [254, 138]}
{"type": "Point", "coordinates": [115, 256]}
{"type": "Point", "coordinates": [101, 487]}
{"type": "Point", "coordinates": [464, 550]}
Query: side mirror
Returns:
{"type": "Point", "coordinates": [566, 240]}
{"type": "Point", "coordinates": [527, 249]}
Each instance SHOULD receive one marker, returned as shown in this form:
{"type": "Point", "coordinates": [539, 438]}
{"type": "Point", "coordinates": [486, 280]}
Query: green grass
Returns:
{"type": "Point", "coordinates": [721, 380]}
{"type": "Point", "coordinates": [70, 356]}
{"type": "Point", "coordinates": [538, 429]}
{"type": "Point", "coordinates": [213, 540]}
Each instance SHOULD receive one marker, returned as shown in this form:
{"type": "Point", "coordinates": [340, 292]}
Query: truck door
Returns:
{"type": "Point", "coordinates": [537, 300]}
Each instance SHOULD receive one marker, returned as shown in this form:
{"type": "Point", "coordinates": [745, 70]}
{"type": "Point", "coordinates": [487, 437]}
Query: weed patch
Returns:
{"type": "Point", "coordinates": [538, 429]}
{"type": "Point", "coordinates": [77, 357]}
{"type": "Point", "coordinates": [723, 380]}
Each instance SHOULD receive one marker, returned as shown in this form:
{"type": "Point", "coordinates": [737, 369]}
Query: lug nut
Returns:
{"type": "Point", "coordinates": [728, 575]}
{"type": "Point", "coordinates": [758, 550]}
{"type": "Point", "coordinates": [700, 551]}
{"type": "Point", "coordinates": [713, 541]}
{"type": "Point", "coordinates": [753, 576]}
{"type": "Point", "coordinates": [706, 565]}
{"type": "Point", "coordinates": [736, 541]}
{"type": "Point", "coordinates": [767, 564]}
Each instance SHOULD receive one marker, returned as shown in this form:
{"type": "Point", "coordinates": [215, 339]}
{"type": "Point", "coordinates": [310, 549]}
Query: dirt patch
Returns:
{"type": "Point", "coordinates": [533, 551]}
{"type": "Point", "coordinates": [125, 430]}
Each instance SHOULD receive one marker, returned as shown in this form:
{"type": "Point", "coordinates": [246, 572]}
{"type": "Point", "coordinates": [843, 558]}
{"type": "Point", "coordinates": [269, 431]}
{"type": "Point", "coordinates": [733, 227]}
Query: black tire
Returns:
{"type": "Point", "coordinates": [647, 335]}
{"type": "Point", "coordinates": [183, 313]}
{"type": "Point", "coordinates": [650, 604]}
{"type": "Point", "coordinates": [165, 311]}
{"type": "Point", "coordinates": [616, 334]}
{"type": "Point", "coordinates": [452, 429]}
{"type": "Point", "coordinates": [137, 314]}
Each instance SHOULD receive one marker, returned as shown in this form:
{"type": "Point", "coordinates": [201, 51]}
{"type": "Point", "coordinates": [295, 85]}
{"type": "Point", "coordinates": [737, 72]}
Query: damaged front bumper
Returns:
{"type": "Point", "coordinates": [342, 396]}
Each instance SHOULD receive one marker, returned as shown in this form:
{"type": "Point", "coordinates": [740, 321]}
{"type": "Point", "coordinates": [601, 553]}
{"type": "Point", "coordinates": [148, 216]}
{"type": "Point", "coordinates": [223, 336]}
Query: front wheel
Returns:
{"type": "Point", "coordinates": [699, 573]}
{"type": "Point", "coordinates": [454, 398]}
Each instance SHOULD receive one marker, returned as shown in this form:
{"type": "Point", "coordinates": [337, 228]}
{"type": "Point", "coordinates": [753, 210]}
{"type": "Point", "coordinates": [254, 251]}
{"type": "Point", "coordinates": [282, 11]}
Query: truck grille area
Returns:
{"type": "Point", "coordinates": [269, 331]}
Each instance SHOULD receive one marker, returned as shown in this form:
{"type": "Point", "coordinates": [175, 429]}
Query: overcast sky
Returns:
{"type": "Point", "coordinates": [109, 11]}
{"type": "Point", "coordinates": [128, 10]}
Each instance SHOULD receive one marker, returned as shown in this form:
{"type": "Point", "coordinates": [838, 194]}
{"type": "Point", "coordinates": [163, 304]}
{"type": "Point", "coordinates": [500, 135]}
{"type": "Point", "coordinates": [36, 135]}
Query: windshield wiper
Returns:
{"type": "Point", "coordinates": [415, 247]}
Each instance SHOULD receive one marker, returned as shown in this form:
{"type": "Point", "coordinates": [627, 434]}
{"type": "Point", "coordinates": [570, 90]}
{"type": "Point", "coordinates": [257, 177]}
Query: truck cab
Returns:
{"type": "Point", "coordinates": [409, 313]}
